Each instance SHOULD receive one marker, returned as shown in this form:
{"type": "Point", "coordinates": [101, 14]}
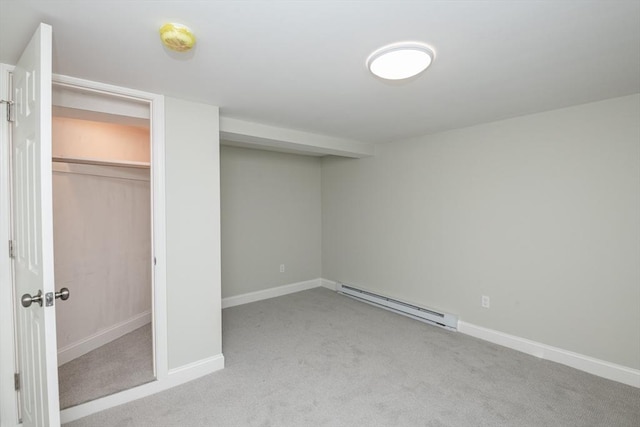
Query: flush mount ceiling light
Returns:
{"type": "Point", "coordinates": [177, 37]}
{"type": "Point", "coordinates": [400, 61]}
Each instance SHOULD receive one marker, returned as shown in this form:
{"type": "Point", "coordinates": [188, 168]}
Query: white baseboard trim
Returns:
{"type": "Point", "coordinates": [270, 293]}
{"type": "Point", "coordinates": [584, 363]}
{"type": "Point", "coordinates": [100, 338]}
{"type": "Point", "coordinates": [329, 284]}
{"type": "Point", "coordinates": [175, 377]}
{"type": "Point", "coordinates": [197, 369]}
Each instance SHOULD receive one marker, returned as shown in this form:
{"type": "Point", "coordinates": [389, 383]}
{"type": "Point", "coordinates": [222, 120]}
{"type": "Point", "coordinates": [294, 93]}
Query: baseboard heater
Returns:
{"type": "Point", "coordinates": [444, 320]}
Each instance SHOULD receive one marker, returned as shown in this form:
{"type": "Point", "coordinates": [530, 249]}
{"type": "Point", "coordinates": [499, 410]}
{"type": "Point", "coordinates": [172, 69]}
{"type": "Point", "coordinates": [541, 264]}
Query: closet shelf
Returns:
{"type": "Point", "coordinates": [101, 162]}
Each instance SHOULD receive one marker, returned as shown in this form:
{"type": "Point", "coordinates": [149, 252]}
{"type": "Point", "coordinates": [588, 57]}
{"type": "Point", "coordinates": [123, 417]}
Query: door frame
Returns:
{"type": "Point", "coordinates": [9, 402]}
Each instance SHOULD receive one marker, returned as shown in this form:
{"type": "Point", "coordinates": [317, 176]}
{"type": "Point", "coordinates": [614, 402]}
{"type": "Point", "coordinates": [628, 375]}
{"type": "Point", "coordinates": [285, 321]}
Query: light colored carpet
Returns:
{"type": "Point", "coordinates": [316, 358]}
{"type": "Point", "coordinates": [119, 365]}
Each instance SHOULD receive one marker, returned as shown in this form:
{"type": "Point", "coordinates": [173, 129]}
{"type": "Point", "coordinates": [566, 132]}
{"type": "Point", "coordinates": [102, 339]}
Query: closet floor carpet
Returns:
{"type": "Point", "coordinates": [119, 365]}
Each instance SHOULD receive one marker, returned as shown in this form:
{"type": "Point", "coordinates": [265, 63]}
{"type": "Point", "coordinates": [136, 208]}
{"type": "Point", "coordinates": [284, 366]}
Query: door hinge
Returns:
{"type": "Point", "coordinates": [10, 114]}
{"type": "Point", "coordinates": [16, 381]}
{"type": "Point", "coordinates": [11, 249]}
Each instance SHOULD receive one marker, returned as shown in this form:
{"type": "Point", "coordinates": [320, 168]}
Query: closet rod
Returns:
{"type": "Point", "coordinates": [100, 162]}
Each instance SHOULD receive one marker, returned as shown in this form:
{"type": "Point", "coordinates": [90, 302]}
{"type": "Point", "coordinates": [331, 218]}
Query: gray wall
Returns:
{"type": "Point", "coordinates": [541, 213]}
{"type": "Point", "coordinates": [270, 216]}
{"type": "Point", "coordinates": [193, 231]}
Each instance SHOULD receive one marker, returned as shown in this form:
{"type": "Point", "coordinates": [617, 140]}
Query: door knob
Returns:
{"type": "Point", "coordinates": [63, 294]}
{"type": "Point", "coordinates": [27, 299]}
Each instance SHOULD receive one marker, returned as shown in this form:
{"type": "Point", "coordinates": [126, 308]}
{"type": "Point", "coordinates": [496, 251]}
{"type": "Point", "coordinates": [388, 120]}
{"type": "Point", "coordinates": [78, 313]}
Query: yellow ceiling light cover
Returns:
{"type": "Point", "coordinates": [177, 37]}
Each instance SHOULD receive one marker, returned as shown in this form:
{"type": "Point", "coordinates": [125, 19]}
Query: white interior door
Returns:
{"type": "Point", "coordinates": [33, 232]}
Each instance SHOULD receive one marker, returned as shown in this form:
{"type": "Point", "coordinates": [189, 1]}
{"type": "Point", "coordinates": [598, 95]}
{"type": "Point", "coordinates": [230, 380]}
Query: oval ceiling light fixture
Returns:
{"type": "Point", "coordinates": [400, 61]}
{"type": "Point", "coordinates": [177, 37]}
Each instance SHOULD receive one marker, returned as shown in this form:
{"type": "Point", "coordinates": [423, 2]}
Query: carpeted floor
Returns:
{"type": "Point", "coordinates": [119, 365]}
{"type": "Point", "coordinates": [316, 358]}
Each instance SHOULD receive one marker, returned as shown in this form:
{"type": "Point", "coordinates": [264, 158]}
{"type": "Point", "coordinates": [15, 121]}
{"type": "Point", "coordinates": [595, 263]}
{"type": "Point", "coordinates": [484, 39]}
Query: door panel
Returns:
{"type": "Point", "coordinates": [33, 231]}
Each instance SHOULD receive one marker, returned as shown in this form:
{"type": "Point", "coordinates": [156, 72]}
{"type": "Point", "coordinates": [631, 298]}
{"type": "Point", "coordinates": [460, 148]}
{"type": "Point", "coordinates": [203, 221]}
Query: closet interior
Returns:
{"type": "Point", "coordinates": [102, 246]}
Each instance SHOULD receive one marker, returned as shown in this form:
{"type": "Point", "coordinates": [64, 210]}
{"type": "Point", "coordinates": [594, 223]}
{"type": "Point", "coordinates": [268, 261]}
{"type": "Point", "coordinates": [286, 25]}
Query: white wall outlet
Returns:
{"type": "Point", "coordinates": [485, 301]}
{"type": "Point", "coordinates": [281, 268]}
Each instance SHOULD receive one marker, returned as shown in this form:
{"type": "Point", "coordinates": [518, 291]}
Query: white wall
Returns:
{"type": "Point", "coordinates": [541, 213]}
{"type": "Point", "coordinates": [270, 216]}
{"type": "Point", "coordinates": [193, 232]}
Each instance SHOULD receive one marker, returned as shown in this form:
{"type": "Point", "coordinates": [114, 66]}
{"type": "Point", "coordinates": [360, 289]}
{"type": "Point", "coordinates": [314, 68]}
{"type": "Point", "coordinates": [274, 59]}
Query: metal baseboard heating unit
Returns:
{"type": "Point", "coordinates": [444, 320]}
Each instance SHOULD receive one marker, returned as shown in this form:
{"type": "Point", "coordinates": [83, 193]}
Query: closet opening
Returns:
{"type": "Point", "coordinates": [103, 243]}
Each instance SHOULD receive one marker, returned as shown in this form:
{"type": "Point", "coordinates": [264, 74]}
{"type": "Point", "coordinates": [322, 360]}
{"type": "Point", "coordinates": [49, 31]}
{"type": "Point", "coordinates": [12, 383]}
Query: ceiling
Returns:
{"type": "Point", "coordinates": [301, 64]}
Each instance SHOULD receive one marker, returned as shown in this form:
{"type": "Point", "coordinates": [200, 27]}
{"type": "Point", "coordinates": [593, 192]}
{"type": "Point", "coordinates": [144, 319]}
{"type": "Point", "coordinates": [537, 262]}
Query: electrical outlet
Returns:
{"type": "Point", "coordinates": [485, 301]}
{"type": "Point", "coordinates": [281, 268]}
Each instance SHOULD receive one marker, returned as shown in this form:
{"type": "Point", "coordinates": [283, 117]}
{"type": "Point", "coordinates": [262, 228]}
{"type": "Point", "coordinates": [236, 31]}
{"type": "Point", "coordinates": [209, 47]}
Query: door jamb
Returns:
{"type": "Point", "coordinates": [9, 398]}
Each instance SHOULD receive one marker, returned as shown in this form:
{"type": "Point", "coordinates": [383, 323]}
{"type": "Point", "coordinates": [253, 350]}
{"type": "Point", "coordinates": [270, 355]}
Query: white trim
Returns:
{"type": "Point", "coordinates": [159, 289]}
{"type": "Point", "coordinates": [161, 367]}
{"type": "Point", "coordinates": [329, 284]}
{"type": "Point", "coordinates": [175, 377]}
{"type": "Point", "coordinates": [159, 243]}
{"type": "Point", "coordinates": [8, 396]}
{"type": "Point", "coordinates": [103, 88]}
{"type": "Point", "coordinates": [100, 338]}
{"type": "Point", "coordinates": [584, 363]}
{"type": "Point", "coordinates": [197, 369]}
{"type": "Point", "coordinates": [270, 293]}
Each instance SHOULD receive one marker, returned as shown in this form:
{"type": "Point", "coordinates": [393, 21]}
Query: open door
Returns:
{"type": "Point", "coordinates": [33, 233]}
